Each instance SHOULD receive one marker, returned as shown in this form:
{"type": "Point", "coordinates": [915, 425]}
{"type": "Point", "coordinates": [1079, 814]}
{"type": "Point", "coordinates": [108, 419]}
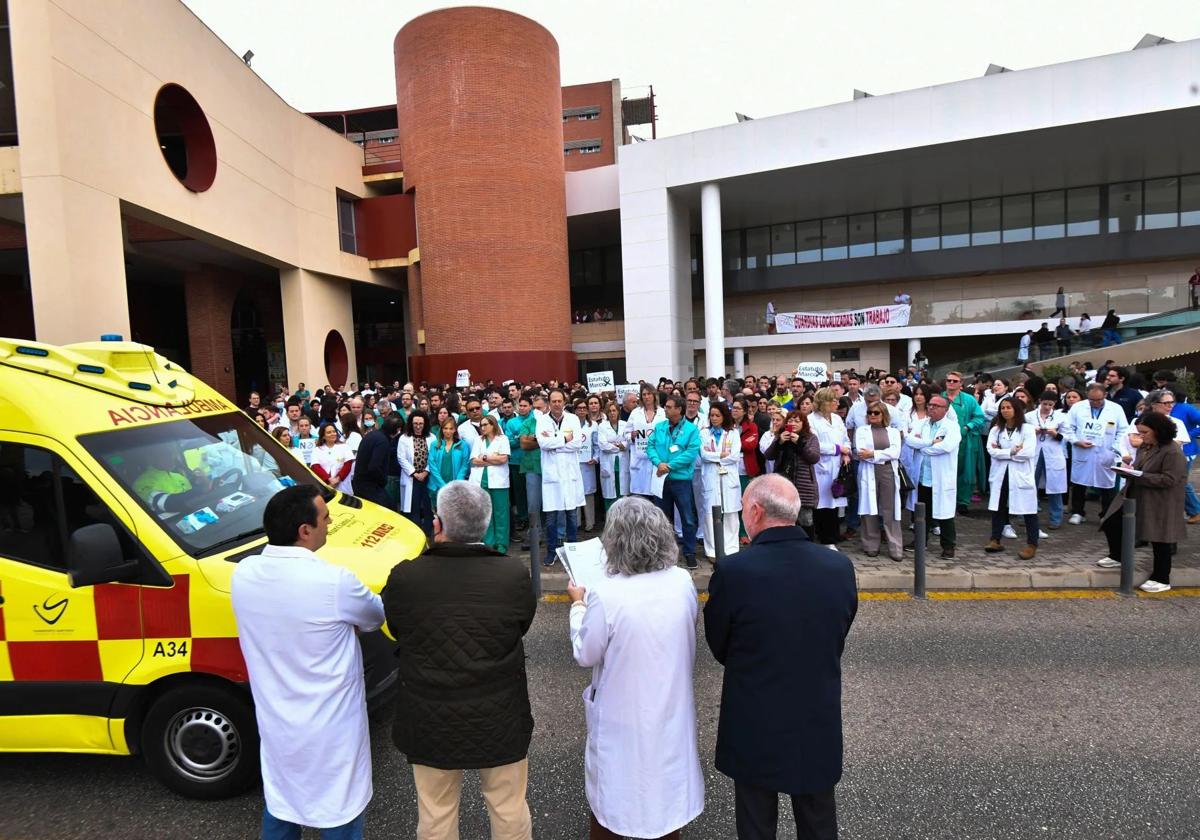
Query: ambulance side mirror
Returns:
{"type": "Point", "coordinates": [94, 556]}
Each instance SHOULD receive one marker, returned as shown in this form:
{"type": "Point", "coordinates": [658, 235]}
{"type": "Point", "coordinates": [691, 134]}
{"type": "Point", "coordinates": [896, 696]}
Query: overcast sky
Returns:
{"type": "Point", "coordinates": [706, 59]}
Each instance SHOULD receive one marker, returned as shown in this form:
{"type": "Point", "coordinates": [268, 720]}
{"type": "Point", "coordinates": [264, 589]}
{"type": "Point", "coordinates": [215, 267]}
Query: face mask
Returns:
{"type": "Point", "coordinates": [369, 423]}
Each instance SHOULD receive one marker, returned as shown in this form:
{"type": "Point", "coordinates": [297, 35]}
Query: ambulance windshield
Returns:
{"type": "Point", "coordinates": [206, 478]}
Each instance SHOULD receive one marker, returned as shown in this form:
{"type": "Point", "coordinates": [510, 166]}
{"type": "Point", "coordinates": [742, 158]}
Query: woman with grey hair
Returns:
{"type": "Point", "coordinates": [636, 630]}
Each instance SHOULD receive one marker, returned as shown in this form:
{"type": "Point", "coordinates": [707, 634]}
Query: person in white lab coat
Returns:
{"type": "Point", "coordinates": [412, 453]}
{"type": "Point", "coordinates": [613, 448]}
{"type": "Point", "coordinates": [720, 452]}
{"type": "Point", "coordinates": [559, 438]}
{"type": "Point", "coordinates": [1051, 469]}
{"type": "Point", "coordinates": [298, 621]}
{"type": "Point", "coordinates": [587, 465]}
{"type": "Point", "coordinates": [937, 482]}
{"type": "Point", "coordinates": [1092, 428]}
{"type": "Point", "coordinates": [1012, 446]}
{"type": "Point", "coordinates": [835, 451]}
{"type": "Point", "coordinates": [879, 449]}
{"type": "Point", "coordinates": [639, 427]}
{"type": "Point", "coordinates": [636, 631]}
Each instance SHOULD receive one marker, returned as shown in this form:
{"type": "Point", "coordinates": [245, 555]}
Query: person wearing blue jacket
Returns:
{"type": "Point", "coordinates": [449, 460]}
{"type": "Point", "coordinates": [673, 448]}
{"type": "Point", "coordinates": [1189, 416]}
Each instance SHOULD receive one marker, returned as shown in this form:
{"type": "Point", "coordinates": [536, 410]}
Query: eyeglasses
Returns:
{"type": "Point", "coordinates": [874, 413]}
{"type": "Point", "coordinates": [953, 380]}
{"type": "Point", "coordinates": [693, 402]}
{"type": "Point", "coordinates": [1166, 402]}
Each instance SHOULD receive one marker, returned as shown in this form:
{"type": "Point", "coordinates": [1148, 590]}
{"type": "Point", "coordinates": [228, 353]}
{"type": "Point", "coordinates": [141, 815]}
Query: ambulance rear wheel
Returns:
{"type": "Point", "coordinates": [201, 741]}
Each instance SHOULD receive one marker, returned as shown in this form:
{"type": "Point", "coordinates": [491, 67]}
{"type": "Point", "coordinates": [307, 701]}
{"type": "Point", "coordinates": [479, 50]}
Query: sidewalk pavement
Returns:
{"type": "Point", "coordinates": [1066, 559]}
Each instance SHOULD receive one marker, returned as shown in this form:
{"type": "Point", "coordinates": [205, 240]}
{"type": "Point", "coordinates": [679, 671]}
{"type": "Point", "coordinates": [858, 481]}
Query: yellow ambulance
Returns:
{"type": "Point", "coordinates": [129, 490]}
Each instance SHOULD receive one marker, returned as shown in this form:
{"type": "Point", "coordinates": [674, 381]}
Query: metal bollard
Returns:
{"type": "Point", "coordinates": [535, 556]}
{"type": "Point", "coordinates": [718, 531]}
{"type": "Point", "coordinates": [1128, 539]}
{"type": "Point", "coordinates": [919, 550]}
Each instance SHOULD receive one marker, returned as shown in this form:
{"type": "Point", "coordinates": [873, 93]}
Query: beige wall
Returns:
{"type": "Point", "coordinates": [86, 75]}
{"type": "Point", "coordinates": [312, 306]}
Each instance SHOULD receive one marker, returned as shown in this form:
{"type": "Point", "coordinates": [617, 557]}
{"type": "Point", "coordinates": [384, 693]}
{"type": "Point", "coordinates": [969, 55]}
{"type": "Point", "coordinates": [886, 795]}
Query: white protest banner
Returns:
{"type": "Point", "coordinates": [622, 390]}
{"type": "Point", "coordinates": [849, 319]}
{"type": "Point", "coordinates": [602, 381]}
{"type": "Point", "coordinates": [463, 380]}
{"type": "Point", "coordinates": [812, 371]}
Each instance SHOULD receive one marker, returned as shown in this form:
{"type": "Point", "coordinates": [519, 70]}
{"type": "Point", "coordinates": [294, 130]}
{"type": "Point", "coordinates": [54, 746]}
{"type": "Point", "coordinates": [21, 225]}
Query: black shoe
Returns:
{"type": "Point", "coordinates": [963, 510]}
{"type": "Point", "coordinates": [691, 563]}
{"type": "Point", "coordinates": [910, 547]}
{"type": "Point", "coordinates": [546, 565]}
{"type": "Point", "coordinates": [948, 553]}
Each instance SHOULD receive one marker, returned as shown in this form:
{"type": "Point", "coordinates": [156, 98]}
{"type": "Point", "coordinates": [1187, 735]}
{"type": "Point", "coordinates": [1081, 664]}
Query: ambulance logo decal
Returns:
{"type": "Point", "coordinates": [56, 610]}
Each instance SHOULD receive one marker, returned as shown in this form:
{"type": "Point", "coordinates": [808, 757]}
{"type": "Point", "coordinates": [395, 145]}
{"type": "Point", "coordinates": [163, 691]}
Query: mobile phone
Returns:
{"type": "Point", "coordinates": [791, 427]}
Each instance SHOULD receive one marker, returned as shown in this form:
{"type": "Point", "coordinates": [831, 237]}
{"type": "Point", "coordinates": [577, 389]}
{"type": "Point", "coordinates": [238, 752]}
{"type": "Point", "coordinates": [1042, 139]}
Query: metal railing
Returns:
{"type": "Point", "coordinates": [379, 147]}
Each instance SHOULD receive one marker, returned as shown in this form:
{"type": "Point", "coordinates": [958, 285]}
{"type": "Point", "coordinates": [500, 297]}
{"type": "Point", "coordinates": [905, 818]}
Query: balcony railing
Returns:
{"type": "Point", "coordinates": [379, 147]}
{"type": "Point", "coordinates": [1139, 300]}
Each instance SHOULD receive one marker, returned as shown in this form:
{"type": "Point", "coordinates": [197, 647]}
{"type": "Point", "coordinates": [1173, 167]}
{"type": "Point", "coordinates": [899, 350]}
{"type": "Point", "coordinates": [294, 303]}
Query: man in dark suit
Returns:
{"type": "Point", "coordinates": [375, 453]}
{"type": "Point", "coordinates": [777, 617]}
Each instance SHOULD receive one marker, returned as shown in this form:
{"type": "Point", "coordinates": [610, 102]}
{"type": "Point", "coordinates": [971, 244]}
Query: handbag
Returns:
{"type": "Point", "coordinates": [906, 482]}
{"type": "Point", "coordinates": [838, 488]}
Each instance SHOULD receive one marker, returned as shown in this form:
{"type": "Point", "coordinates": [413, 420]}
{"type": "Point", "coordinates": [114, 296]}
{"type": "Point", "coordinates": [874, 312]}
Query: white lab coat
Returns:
{"type": "Point", "coordinates": [1023, 348]}
{"type": "Point", "coordinates": [716, 488]}
{"type": "Point", "coordinates": [332, 459]}
{"type": "Point", "coordinates": [764, 443]}
{"type": "Point", "coordinates": [990, 405]}
{"type": "Point", "coordinates": [1092, 466]}
{"type": "Point", "coordinates": [351, 443]}
{"type": "Point", "coordinates": [1124, 447]}
{"type": "Point", "coordinates": [498, 475]}
{"type": "Point", "coordinates": [1052, 452]}
{"type": "Point", "coordinates": [562, 487]}
{"type": "Point", "coordinates": [864, 439]}
{"type": "Point", "coordinates": [587, 451]}
{"type": "Point", "coordinates": [911, 457]}
{"type": "Point", "coordinates": [830, 434]}
{"type": "Point", "coordinates": [297, 618]}
{"type": "Point", "coordinates": [404, 454]}
{"type": "Point", "coordinates": [641, 469]}
{"type": "Point", "coordinates": [1020, 468]}
{"type": "Point", "coordinates": [468, 432]}
{"type": "Point", "coordinates": [611, 458]}
{"type": "Point", "coordinates": [641, 763]}
{"type": "Point", "coordinates": [943, 462]}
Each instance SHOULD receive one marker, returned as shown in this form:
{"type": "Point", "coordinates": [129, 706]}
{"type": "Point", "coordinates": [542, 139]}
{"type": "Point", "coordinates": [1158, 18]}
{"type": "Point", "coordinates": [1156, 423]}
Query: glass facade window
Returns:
{"type": "Point", "coordinates": [808, 241]}
{"type": "Point", "coordinates": [1125, 207]}
{"type": "Point", "coordinates": [889, 232]}
{"type": "Point", "coordinates": [926, 228]}
{"type": "Point", "coordinates": [1162, 203]}
{"type": "Point", "coordinates": [833, 238]}
{"type": "Point", "coordinates": [783, 244]}
{"type": "Point", "coordinates": [1189, 200]}
{"type": "Point", "coordinates": [1018, 217]}
{"type": "Point", "coordinates": [1049, 215]}
{"type": "Point", "coordinates": [1083, 211]}
{"type": "Point", "coordinates": [956, 224]}
{"type": "Point", "coordinates": [731, 249]}
{"type": "Point", "coordinates": [862, 235]}
{"type": "Point", "coordinates": [985, 221]}
{"type": "Point", "coordinates": [758, 244]}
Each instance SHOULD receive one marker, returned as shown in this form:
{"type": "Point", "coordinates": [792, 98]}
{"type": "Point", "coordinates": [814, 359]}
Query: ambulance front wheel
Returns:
{"type": "Point", "coordinates": [201, 741]}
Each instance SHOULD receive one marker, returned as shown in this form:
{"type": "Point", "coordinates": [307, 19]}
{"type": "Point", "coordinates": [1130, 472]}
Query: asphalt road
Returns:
{"type": "Point", "coordinates": [978, 719]}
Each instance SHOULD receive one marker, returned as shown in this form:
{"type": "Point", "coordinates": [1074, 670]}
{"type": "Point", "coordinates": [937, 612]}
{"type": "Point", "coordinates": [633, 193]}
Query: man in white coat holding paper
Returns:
{"type": "Point", "coordinates": [937, 485]}
{"type": "Point", "coordinates": [298, 618]}
{"type": "Point", "coordinates": [560, 438]}
{"type": "Point", "coordinates": [1092, 428]}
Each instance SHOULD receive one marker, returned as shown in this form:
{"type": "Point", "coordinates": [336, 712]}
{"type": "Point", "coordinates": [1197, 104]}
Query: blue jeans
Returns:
{"type": "Point", "coordinates": [1054, 501]}
{"type": "Point", "coordinates": [554, 519]}
{"type": "Point", "coordinates": [678, 496]}
{"type": "Point", "coordinates": [1111, 337]}
{"type": "Point", "coordinates": [1191, 503]}
{"type": "Point", "coordinates": [274, 828]}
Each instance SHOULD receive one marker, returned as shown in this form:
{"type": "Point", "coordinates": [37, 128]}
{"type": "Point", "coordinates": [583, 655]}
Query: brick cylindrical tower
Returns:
{"type": "Point", "coordinates": [479, 103]}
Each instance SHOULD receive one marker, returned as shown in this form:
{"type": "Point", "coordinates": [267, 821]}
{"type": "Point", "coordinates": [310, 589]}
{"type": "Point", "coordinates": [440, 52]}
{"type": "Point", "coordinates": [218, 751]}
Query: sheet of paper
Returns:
{"type": "Point", "coordinates": [657, 482]}
{"type": "Point", "coordinates": [584, 562]}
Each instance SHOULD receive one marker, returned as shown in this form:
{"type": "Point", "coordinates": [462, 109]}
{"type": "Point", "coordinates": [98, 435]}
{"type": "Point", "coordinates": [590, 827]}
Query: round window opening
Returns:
{"type": "Point", "coordinates": [337, 360]}
{"type": "Point", "coordinates": [184, 138]}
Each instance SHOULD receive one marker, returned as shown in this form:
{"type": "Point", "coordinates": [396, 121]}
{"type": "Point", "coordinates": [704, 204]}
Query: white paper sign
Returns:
{"type": "Point", "coordinates": [584, 562]}
{"type": "Point", "coordinates": [622, 390]}
{"type": "Point", "coordinates": [463, 380]}
{"type": "Point", "coordinates": [813, 371]}
{"type": "Point", "coordinates": [602, 381]}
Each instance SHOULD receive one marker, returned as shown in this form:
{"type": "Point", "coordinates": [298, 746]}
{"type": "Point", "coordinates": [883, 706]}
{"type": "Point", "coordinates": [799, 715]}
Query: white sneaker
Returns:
{"type": "Point", "coordinates": [1108, 563]}
{"type": "Point", "coordinates": [937, 530]}
{"type": "Point", "coordinates": [1009, 533]}
{"type": "Point", "coordinates": [835, 548]}
{"type": "Point", "coordinates": [1075, 519]}
{"type": "Point", "coordinates": [1042, 534]}
{"type": "Point", "coordinates": [1155, 586]}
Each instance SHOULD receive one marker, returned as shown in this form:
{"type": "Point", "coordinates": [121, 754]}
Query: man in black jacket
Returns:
{"type": "Point", "coordinates": [371, 466]}
{"type": "Point", "coordinates": [777, 617]}
{"type": "Point", "coordinates": [458, 613]}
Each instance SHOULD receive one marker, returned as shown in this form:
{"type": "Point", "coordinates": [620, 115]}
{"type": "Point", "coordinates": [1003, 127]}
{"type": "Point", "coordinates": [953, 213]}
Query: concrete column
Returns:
{"type": "Point", "coordinates": [914, 345]}
{"type": "Point", "coordinates": [313, 306]}
{"type": "Point", "coordinates": [739, 362]}
{"type": "Point", "coordinates": [714, 291]}
{"type": "Point", "coordinates": [76, 261]}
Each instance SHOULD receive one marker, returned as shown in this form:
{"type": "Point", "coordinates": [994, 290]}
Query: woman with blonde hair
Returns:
{"type": "Point", "coordinates": [879, 450]}
{"type": "Point", "coordinates": [834, 444]}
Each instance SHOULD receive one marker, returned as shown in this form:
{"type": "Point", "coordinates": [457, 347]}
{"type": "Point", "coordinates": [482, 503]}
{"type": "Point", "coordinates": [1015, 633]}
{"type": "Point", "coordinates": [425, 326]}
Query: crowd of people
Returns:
{"type": "Point", "coordinates": [861, 450]}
